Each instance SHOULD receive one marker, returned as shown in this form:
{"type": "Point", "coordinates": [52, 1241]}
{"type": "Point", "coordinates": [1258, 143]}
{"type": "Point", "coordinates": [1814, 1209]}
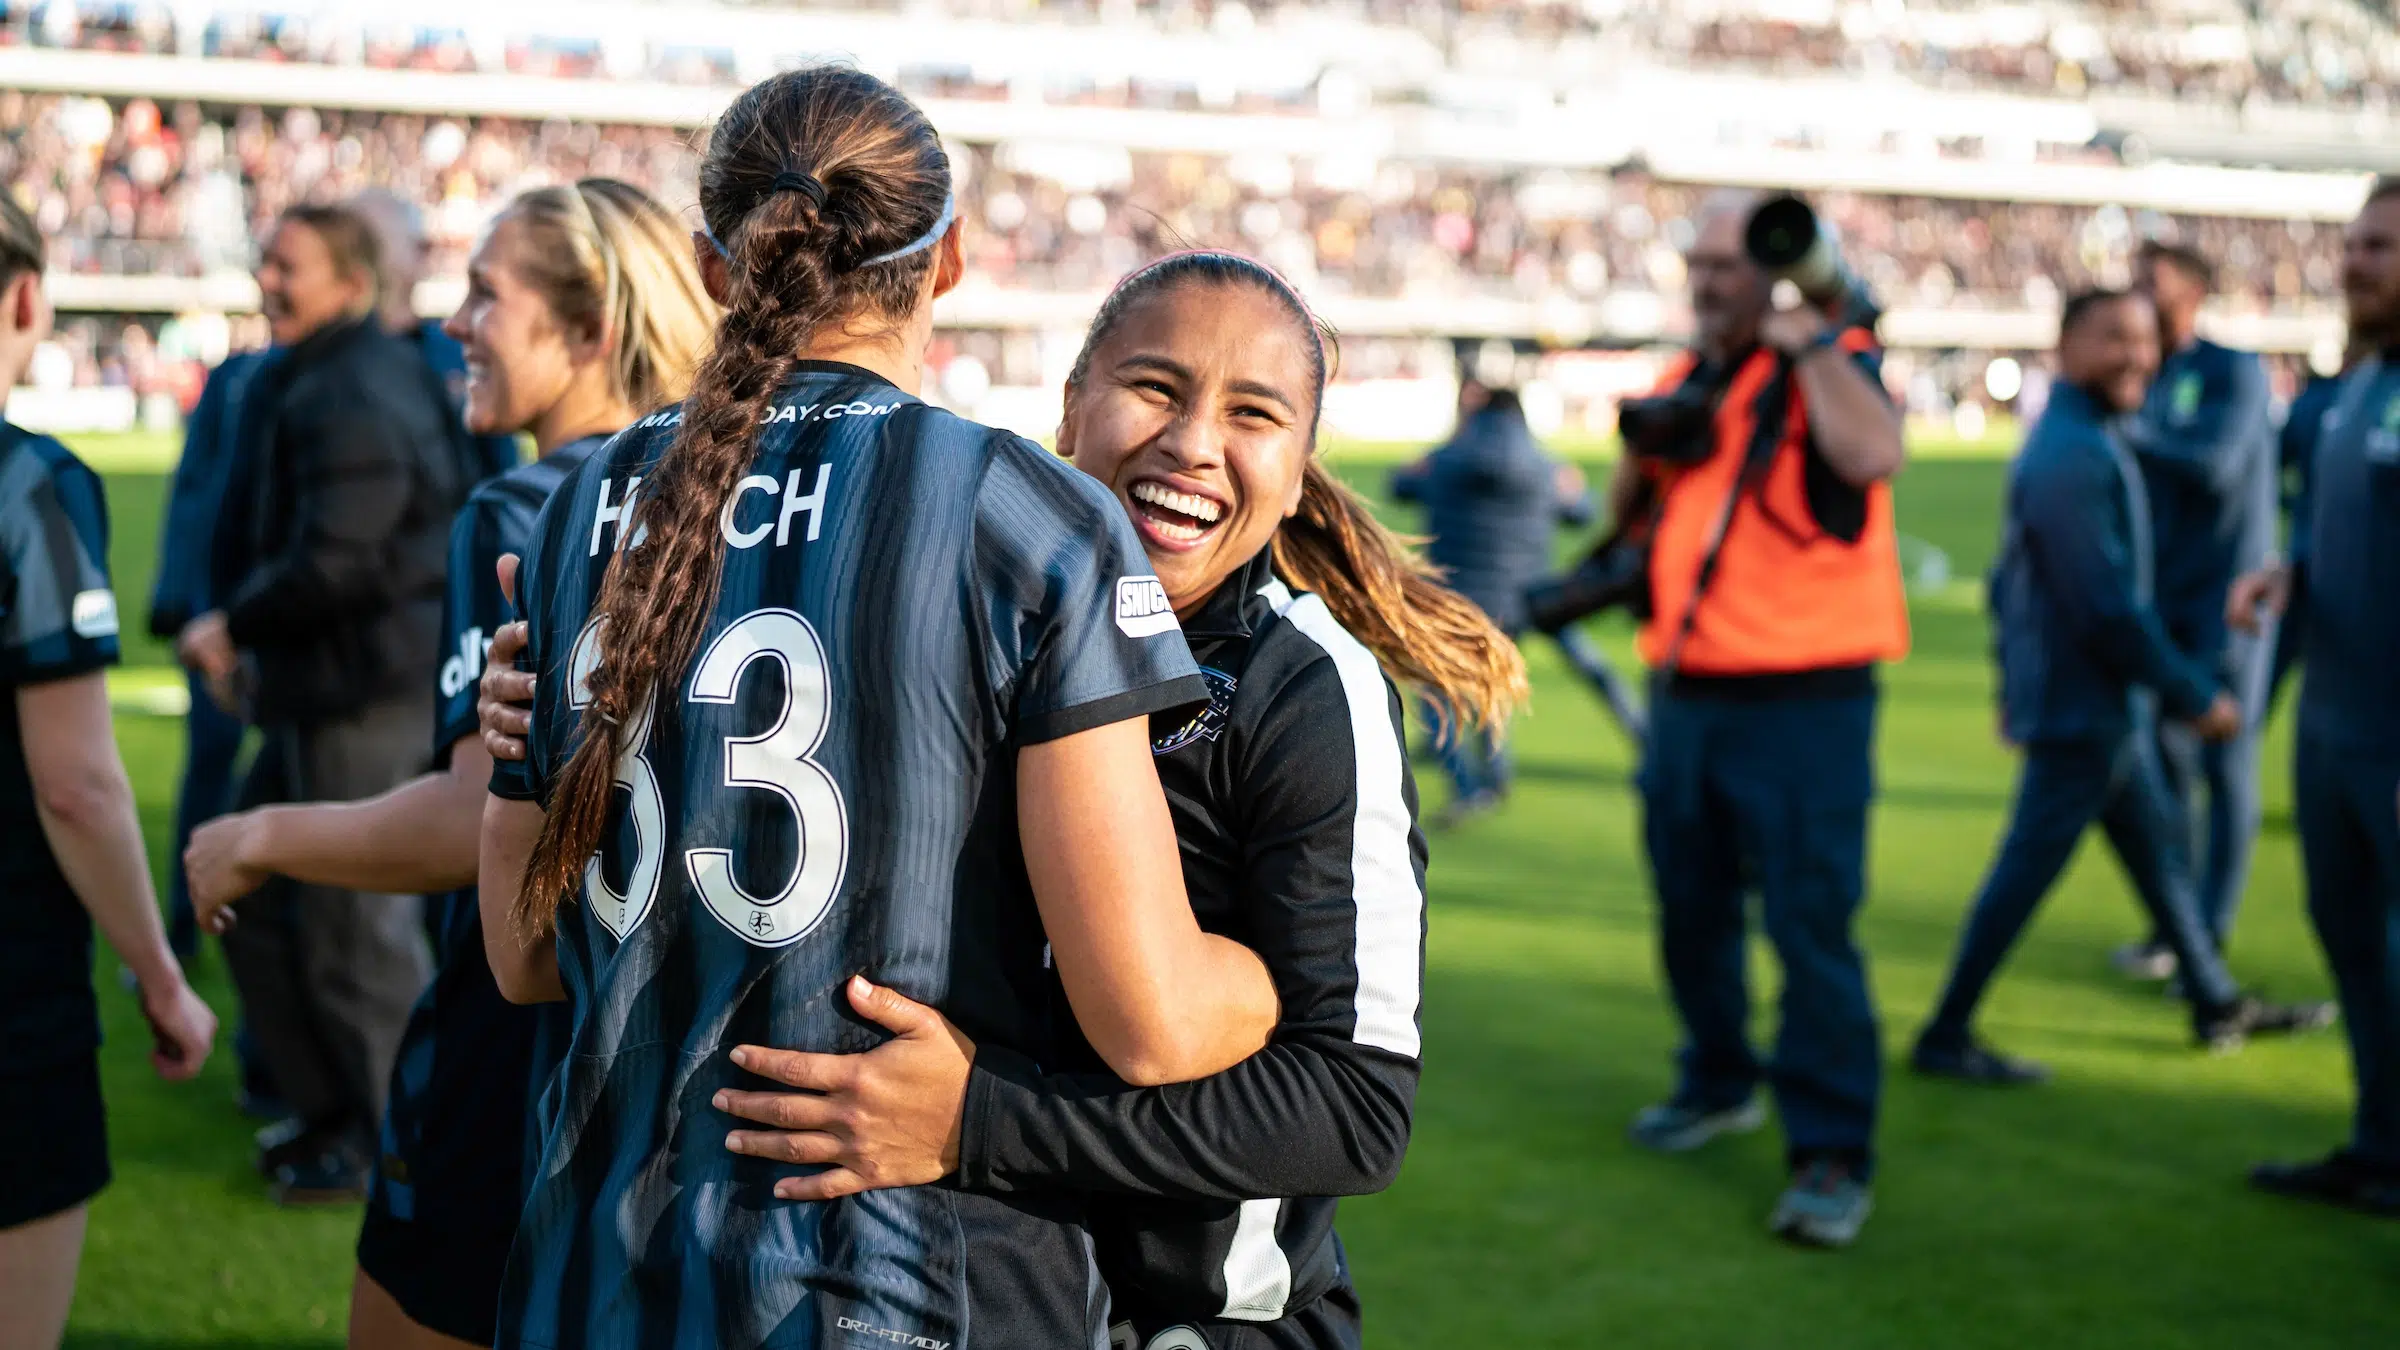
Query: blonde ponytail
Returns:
{"type": "Point", "coordinates": [606, 255]}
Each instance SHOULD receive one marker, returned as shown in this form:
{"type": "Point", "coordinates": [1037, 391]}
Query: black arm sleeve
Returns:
{"type": "Point", "coordinates": [1334, 881]}
{"type": "Point", "coordinates": [1305, 1116]}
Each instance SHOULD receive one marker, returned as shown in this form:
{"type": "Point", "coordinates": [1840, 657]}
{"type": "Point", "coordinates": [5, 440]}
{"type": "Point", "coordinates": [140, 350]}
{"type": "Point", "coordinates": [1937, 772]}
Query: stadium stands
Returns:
{"type": "Point", "coordinates": [2314, 52]}
{"type": "Point", "coordinates": [128, 189]}
{"type": "Point", "coordinates": [1397, 158]}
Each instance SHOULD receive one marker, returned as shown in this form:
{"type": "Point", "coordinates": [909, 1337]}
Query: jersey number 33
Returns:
{"type": "Point", "coordinates": [775, 760]}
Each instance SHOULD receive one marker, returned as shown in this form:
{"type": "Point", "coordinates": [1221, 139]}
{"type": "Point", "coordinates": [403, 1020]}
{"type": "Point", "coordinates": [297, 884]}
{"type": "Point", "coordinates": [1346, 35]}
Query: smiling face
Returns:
{"type": "Point", "coordinates": [519, 362]}
{"type": "Point", "coordinates": [2112, 352]}
{"type": "Point", "coordinates": [302, 287]}
{"type": "Point", "coordinates": [1198, 412]}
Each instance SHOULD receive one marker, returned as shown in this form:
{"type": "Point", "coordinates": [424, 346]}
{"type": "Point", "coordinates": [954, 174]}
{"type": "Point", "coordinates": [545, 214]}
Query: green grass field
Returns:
{"type": "Point", "coordinates": [2104, 1210]}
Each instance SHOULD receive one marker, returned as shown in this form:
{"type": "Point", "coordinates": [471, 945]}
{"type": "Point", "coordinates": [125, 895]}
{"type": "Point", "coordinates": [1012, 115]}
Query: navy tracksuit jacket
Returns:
{"type": "Point", "coordinates": [2085, 666]}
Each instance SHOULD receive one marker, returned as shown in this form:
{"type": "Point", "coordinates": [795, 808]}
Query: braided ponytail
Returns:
{"type": "Point", "coordinates": [814, 180]}
{"type": "Point", "coordinates": [1388, 597]}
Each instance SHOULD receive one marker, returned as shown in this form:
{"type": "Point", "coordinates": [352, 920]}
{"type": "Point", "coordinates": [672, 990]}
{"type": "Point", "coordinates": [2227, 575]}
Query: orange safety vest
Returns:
{"type": "Point", "coordinates": [1787, 596]}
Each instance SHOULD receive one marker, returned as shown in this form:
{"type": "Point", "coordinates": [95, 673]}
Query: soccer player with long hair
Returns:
{"type": "Point", "coordinates": [73, 855]}
{"type": "Point", "coordinates": [583, 310]}
{"type": "Point", "coordinates": [831, 683]}
{"type": "Point", "coordinates": [1196, 400]}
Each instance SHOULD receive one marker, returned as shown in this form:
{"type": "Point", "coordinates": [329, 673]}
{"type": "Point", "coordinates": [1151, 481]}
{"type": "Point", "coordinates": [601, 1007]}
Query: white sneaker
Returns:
{"type": "Point", "coordinates": [2144, 961]}
{"type": "Point", "coordinates": [1673, 1127]}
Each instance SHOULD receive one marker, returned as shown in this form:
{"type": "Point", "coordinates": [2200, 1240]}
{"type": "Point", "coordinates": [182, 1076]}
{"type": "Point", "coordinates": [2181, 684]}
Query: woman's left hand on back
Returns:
{"type": "Point", "coordinates": [887, 1117]}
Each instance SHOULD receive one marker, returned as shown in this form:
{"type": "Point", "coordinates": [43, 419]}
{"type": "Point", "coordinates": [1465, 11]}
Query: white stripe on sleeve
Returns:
{"type": "Point", "coordinates": [1383, 876]}
{"type": "Point", "coordinates": [1258, 1276]}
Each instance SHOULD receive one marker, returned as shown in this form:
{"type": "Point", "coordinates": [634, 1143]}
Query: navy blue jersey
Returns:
{"type": "Point", "coordinates": [498, 518]}
{"type": "Point", "coordinates": [452, 1151]}
{"type": "Point", "coordinates": [58, 619]}
{"type": "Point", "coordinates": [908, 599]}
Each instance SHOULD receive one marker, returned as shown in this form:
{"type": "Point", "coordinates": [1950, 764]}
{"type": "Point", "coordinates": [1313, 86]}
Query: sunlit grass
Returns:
{"type": "Point", "coordinates": [2104, 1210]}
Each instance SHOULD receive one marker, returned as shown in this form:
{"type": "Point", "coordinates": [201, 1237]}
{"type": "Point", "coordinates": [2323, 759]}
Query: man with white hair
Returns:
{"type": "Point", "coordinates": [400, 231]}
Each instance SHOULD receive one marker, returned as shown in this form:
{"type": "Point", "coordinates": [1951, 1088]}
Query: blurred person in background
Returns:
{"type": "Point", "coordinates": [2204, 442]}
{"type": "Point", "coordinates": [400, 240]}
{"type": "Point", "coordinates": [1775, 591]}
{"type": "Point", "coordinates": [2086, 666]}
{"type": "Point", "coordinates": [212, 737]}
{"type": "Point", "coordinates": [2347, 779]}
{"type": "Point", "coordinates": [326, 641]}
{"type": "Point", "coordinates": [1492, 501]}
{"type": "Point", "coordinates": [2304, 425]}
{"type": "Point", "coordinates": [74, 854]}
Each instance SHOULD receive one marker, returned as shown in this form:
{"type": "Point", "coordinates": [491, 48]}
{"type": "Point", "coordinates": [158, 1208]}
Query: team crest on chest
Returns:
{"type": "Point", "coordinates": [1208, 722]}
{"type": "Point", "coordinates": [2383, 443]}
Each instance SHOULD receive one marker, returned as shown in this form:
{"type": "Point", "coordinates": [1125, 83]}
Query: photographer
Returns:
{"type": "Point", "coordinates": [1774, 585]}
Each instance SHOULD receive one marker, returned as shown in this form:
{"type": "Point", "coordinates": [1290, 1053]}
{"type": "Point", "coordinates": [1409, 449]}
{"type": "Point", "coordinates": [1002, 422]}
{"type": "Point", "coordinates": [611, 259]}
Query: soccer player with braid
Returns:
{"type": "Point", "coordinates": [1195, 400]}
{"type": "Point", "coordinates": [831, 684]}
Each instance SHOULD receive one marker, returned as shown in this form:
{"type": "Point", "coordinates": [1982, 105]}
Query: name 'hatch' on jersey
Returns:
{"type": "Point", "coordinates": [908, 599]}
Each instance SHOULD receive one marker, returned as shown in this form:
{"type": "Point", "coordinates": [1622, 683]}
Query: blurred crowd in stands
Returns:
{"type": "Point", "coordinates": [2318, 52]}
{"type": "Point", "coordinates": [131, 189]}
{"type": "Point", "coordinates": [2214, 53]}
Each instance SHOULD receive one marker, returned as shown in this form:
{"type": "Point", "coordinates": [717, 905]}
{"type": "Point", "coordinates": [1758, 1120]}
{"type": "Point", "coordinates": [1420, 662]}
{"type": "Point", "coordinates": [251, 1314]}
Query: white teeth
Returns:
{"type": "Point", "coordinates": [1190, 504]}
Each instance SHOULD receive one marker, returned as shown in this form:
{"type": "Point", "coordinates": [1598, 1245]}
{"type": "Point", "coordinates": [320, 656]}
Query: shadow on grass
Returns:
{"type": "Point", "coordinates": [2106, 1209]}
{"type": "Point", "coordinates": [1616, 789]}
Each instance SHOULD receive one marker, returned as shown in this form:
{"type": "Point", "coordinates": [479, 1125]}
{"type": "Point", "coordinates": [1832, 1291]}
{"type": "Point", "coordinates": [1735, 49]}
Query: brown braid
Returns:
{"type": "Point", "coordinates": [795, 272]}
{"type": "Point", "coordinates": [1388, 597]}
{"type": "Point", "coordinates": [1374, 582]}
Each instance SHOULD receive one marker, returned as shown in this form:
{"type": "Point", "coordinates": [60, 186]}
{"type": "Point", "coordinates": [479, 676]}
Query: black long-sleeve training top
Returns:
{"type": "Point", "coordinates": [1297, 819]}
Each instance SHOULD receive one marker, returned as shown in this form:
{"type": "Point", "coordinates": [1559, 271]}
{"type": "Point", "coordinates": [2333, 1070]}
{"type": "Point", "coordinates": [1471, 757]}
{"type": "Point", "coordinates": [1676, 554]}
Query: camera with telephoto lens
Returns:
{"type": "Point", "coordinates": [1678, 426]}
{"type": "Point", "coordinates": [1614, 575]}
{"type": "Point", "coordinates": [1786, 240]}
{"type": "Point", "coordinates": [1789, 243]}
